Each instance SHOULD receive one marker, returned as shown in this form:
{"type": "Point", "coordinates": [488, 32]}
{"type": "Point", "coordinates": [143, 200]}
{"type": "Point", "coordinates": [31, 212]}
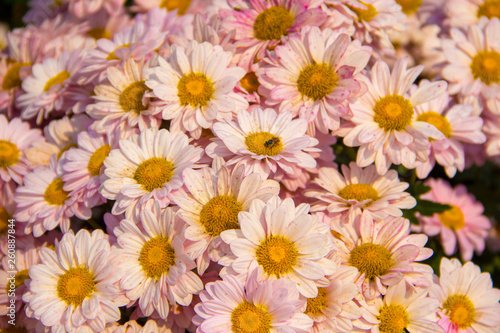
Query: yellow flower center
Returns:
{"type": "Point", "coordinates": [4, 221]}
{"type": "Point", "coordinates": [97, 160]}
{"type": "Point", "coordinates": [316, 81]}
{"type": "Point", "coordinates": [315, 305]}
{"type": "Point", "coordinates": [131, 97]}
{"type": "Point", "coordinates": [219, 214]}
{"type": "Point", "coordinates": [486, 67]}
{"type": "Point", "coordinates": [452, 218]}
{"type": "Point", "coordinates": [250, 82]}
{"type": "Point", "coordinates": [66, 148]}
{"type": "Point", "coordinates": [490, 9]}
{"type": "Point", "coordinates": [58, 79]}
{"type": "Point", "coordinates": [273, 23]}
{"type": "Point", "coordinates": [181, 5]}
{"type": "Point", "coordinates": [250, 318]}
{"type": "Point", "coordinates": [154, 173]}
{"type": "Point", "coordinates": [156, 257]}
{"type": "Point", "coordinates": [98, 33]}
{"type": "Point", "coordinates": [393, 113]}
{"type": "Point", "coordinates": [393, 319]}
{"type": "Point", "coordinates": [359, 192]}
{"type": "Point", "coordinates": [75, 285]}
{"type": "Point", "coordinates": [20, 277]}
{"type": "Point", "coordinates": [409, 6]}
{"type": "Point", "coordinates": [54, 194]}
{"type": "Point", "coordinates": [195, 89]}
{"type": "Point", "coordinates": [440, 122]}
{"type": "Point", "coordinates": [9, 154]}
{"type": "Point", "coordinates": [371, 259]}
{"type": "Point", "coordinates": [364, 14]}
{"type": "Point", "coordinates": [14, 329]}
{"type": "Point", "coordinates": [461, 310]}
{"type": "Point", "coordinates": [112, 55]}
{"type": "Point", "coordinates": [277, 255]}
{"type": "Point", "coordinates": [11, 78]}
{"type": "Point", "coordinates": [264, 143]}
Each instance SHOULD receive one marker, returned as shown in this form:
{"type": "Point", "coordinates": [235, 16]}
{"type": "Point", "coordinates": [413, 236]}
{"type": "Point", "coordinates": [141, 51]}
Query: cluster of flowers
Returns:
{"type": "Point", "coordinates": [198, 135]}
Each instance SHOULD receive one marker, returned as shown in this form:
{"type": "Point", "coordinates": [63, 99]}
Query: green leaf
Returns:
{"type": "Point", "coordinates": [428, 208]}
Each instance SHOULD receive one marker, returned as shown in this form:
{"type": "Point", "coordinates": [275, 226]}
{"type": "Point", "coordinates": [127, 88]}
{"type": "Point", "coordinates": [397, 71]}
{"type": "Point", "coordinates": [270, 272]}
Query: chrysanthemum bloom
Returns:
{"type": "Point", "coordinates": [45, 87]}
{"type": "Point", "coordinates": [384, 253]}
{"type": "Point", "coordinates": [313, 75]}
{"type": "Point", "coordinates": [11, 76]}
{"type": "Point", "coordinates": [270, 306]}
{"type": "Point", "coordinates": [463, 221]}
{"type": "Point", "coordinates": [261, 25]}
{"type": "Point", "coordinates": [473, 59]}
{"type": "Point", "coordinates": [74, 286]}
{"type": "Point", "coordinates": [401, 310]}
{"type": "Point", "coordinates": [216, 197]}
{"type": "Point", "coordinates": [263, 140]}
{"type": "Point", "coordinates": [385, 125]}
{"type": "Point", "coordinates": [15, 137]}
{"type": "Point", "coordinates": [463, 13]}
{"type": "Point", "coordinates": [156, 268]}
{"type": "Point", "coordinates": [458, 124]}
{"type": "Point", "coordinates": [279, 240]}
{"type": "Point", "coordinates": [43, 204]}
{"type": "Point", "coordinates": [358, 190]}
{"type": "Point", "coordinates": [18, 267]}
{"type": "Point", "coordinates": [195, 87]}
{"type": "Point", "coordinates": [146, 168]}
{"type": "Point", "coordinates": [180, 7]}
{"type": "Point", "coordinates": [334, 309]}
{"type": "Point", "coordinates": [468, 303]}
{"type": "Point", "coordinates": [123, 101]}
{"type": "Point", "coordinates": [60, 136]}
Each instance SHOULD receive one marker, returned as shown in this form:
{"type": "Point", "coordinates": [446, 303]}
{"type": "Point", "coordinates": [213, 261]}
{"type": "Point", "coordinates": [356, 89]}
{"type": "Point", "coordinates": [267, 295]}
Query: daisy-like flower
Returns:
{"type": "Point", "coordinates": [313, 76]}
{"type": "Point", "coordinates": [384, 253]}
{"type": "Point", "coordinates": [463, 222]}
{"type": "Point", "coordinates": [473, 59]}
{"type": "Point", "coordinates": [216, 197]}
{"type": "Point", "coordinates": [146, 168]}
{"type": "Point", "coordinates": [334, 309]}
{"type": "Point", "coordinates": [43, 204]}
{"type": "Point", "coordinates": [74, 286]}
{"type": "Point", "coordinates": [15, 137]}
{"type": "Point", "coordinates": [458, 124]}
{"type": "Point", "coordinates": [195, 87]}
{"type": "Point", "coordinates": [384, 125]}
{"type": "Point", "coordinates": [263, 140]}
{"type": "Point", "coordinates": [279, 240]}
{"type": "Point", "coordinates": [468, 303]}
{"type": "Point", "coordinates": [462, 13]}
{"type": "Point", "coordinates": [261, 25]}
{"type": "Point", "coordinates": [230, 306]}
{"type": "Point", "coordinates": [358, 190]}
{"type": "Point", "coordinates": [156, 269]}
{"type": "Point", "coordinates": [45, 88]}
{"type": "Point", "coordinates": [401, 310]}
{"type": "Point", "coordinates": [123, 101]}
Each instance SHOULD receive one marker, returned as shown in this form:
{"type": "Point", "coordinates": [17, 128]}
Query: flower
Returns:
{"type": "Point", "coordinates": [313, 75]}
{"type": "Point", "coordinates": [156, 269]}
{"type": "Point", "coordinates": [401, 311]}
{"type": "Point", "coordinates": [15, 137]}
{"type": "Point", "coordinates": [216, 197]}
{"type": "Point", "coordinates": [360, 190]}
{"type": "Point", "coordinates": [146, 168]}
{"type": "Point", "coordinates": [468, 303]}
{"type": "Point", "coordinates": [384, 253]}
{"type": "Point", "coordinates": [195, 87]}
{"type": "Point", "coordinates": [384, 125]}
{"type": "Point", "coordinates": [74, 286]}
{"type": "Point", "coordinates": [263, 140]}
{"type": "Point", "coordinates": [230, 306]}
{"type": "Point", "coordinates": [279, 240]}
{"type": "Point", "coordinates": [463, 13]}
{"type": "Point", "coordinates": [463, 221]}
